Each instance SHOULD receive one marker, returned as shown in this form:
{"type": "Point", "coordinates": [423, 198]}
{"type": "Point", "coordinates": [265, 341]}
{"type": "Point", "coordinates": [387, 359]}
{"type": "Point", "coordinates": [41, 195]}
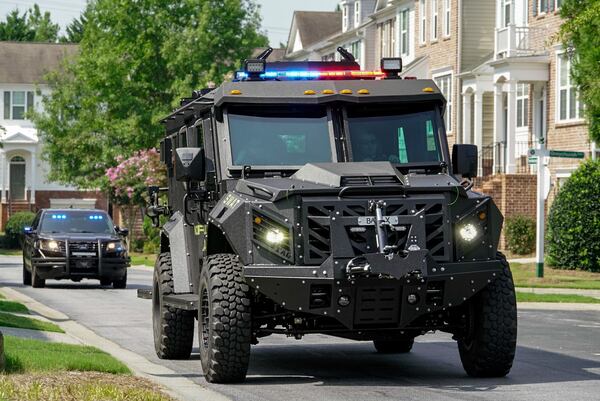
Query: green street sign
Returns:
{"type": "Point", "coordinates": [567, 154]}
{"type": "Point", "coordinates": [532, 159]}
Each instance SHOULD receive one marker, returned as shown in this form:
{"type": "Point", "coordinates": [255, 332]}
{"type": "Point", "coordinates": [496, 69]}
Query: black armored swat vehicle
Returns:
{"type": "Point", "coordinates": [314, 197]}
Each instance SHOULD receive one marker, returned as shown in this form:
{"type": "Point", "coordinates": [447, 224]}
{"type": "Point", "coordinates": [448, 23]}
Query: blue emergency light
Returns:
{"type": "Point", "coordinates": [95, 217]}
{"type": "Point", "coordinates": [59, 216]}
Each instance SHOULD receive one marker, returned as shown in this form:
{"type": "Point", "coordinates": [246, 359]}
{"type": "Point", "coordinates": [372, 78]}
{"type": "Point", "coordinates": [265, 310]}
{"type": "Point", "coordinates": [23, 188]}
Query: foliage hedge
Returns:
{"type": "Point", "coordinates": [15, 225]}
{"type": "Point", "coordinates": [520, 234]}
{"type": "Point", "coordinates": [573, 236]}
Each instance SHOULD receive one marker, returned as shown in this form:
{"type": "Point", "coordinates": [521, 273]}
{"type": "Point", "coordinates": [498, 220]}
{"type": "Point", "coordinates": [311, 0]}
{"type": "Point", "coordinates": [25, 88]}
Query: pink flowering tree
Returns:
{"type": "Point", "coordinates": [128, 183]}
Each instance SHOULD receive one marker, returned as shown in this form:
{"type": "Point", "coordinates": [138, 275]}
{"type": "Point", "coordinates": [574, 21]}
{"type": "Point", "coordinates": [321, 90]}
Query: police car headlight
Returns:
{"type": "Point", "coordinates": [115, 246]}
{"type": "Point", "coordinates": [275, 237]}
{"type": "Point", "coordinates": [468, 232]}
{"type": "Point", "coordinates": [49, 245]}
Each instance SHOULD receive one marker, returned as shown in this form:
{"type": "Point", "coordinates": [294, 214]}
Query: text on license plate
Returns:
{"type": "Point", "coordinates": [370, 220]}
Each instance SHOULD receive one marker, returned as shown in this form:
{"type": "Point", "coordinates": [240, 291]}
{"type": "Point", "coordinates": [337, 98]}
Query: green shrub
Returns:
{"type": "Point", "coordinates": [520, 234]}
{"type": "Point", "coordinates": [15, 225]}
{"type": "Point", "coordinates": [152, 234]}
{"type": "Point", "coordinates": [573, 237]}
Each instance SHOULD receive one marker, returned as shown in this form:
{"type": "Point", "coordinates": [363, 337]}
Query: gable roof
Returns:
{"type": "Point", "coordinates": [29, 62]}
{"type": "Point", "coordinates": [314, 26]}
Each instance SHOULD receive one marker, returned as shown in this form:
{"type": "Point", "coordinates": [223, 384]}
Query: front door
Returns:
{"type": "Point", "coordinates": [17, 178]}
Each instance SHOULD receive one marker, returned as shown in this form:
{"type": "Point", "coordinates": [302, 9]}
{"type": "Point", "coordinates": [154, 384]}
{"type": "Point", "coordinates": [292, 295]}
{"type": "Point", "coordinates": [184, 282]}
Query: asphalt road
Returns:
{"type": "Point", "coordinates": [558, 354]}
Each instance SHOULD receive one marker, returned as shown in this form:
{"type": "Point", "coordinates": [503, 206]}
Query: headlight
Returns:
{"type": "Point", "coordinates": [49, 245]}
{"type": "Point", "coordinates": [116, 246]}
{"type": "Point", "coordinates": [468, 232]}
{"type": "Point", "coordinates": [275, 237]}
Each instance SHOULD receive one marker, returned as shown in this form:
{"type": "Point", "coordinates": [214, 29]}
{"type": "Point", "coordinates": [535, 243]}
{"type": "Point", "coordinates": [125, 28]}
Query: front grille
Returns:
{"type": "Point", "coordinates": [83, 266]}
{"type": "Point", "coordinates": [81, 246]}
{"type": "Point", "coordinates": [317, 216]}
{"type": "Point", "coordinates": [369, 180]}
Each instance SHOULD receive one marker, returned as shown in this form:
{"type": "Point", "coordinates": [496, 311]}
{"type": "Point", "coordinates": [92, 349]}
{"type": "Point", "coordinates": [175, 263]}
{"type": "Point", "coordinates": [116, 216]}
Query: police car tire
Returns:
{"type": "Point", "coordinates": [393, 346]}
{"type": "Point", "coordinates": [173, 328]}
{"type": "Point", "coordinates": [121, 284]}
{"type": "Point", "coordinates": [36, 281]}
{"type": "Point", "coordinates": [224, 320]}
{"type": "Point", "coordinates": [105, 282]}
{"type": "Point", "coordinates": [26, 275]}
{"type": "Point", "coordinates": [489, 349]}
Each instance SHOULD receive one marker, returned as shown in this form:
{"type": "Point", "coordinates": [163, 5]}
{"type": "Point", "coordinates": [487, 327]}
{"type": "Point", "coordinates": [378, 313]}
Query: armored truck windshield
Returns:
{"type": "Point", "coordinates": [284, 137]}
{"type": "Point", "coordinates": [390, 135]}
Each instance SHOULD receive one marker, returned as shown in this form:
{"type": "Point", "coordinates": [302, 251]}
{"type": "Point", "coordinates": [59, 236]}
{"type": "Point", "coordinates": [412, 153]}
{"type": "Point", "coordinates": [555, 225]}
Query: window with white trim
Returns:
{"type": "Point", "coordinates": [345, 17]}
{"type": "Point", "coordinates": [444, 82]}
{"type": "Point", "coordinates": [447, 15]}
{"type": "Point", "coordinates": [568, 105]}
{"type": "Point", "coordinates": [17, 103]}
{"type": "Point", "coordinates": [543, 6]}
{"type": "Point", "coordinates": [356, 13]}
{"type": "Point", "coordinates": [522, 105]}
{"type": "Point", "coordinates": [423, 21]}
{"type": "Point", "coordinates": [404, 33]}
{"type": "Point", "coordinates": [506, 12]}
{"type": "Point", "coordinates": [434, 19]}
{"type": "Point", "coordinates": [387, 38]}
{"type": "Point", "coordinates": [355, 48]}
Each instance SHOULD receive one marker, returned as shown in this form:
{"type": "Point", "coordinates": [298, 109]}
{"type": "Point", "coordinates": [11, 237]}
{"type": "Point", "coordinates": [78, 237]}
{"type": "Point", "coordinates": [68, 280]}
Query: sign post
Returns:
{"type": "Point", "coordinates": [538, 155]}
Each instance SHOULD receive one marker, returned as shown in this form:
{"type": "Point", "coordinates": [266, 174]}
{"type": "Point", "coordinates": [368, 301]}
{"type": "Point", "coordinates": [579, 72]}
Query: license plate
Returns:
{"type": "Point", "coordinates": [84, 265]}
{"type": "Point", "coordinates": [370, 220]}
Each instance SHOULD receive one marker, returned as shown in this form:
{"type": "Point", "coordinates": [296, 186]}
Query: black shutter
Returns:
{"type": "Point", "coordinates": [7, 105]}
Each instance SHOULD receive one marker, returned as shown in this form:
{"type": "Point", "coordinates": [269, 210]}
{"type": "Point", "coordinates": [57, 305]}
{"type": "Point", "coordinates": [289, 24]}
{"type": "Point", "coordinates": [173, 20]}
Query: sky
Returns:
{"type": "Point", "coordinates": [277, 14]}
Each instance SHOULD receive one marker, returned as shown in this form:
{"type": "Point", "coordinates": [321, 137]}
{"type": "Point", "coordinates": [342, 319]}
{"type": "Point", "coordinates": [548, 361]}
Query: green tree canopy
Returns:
{"type": "Point", "coordinates": [31, 26]}
{"type": "Point", "coordinates": [581, 33]}
{"type": "Point", "coordinates": [136, 60]}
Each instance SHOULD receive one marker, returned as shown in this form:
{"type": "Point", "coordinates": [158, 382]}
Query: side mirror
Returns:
{"type": "Point", "coordinates": [122, 231]}
{"type": "Point", "coordinates": [464, 160]}
{"type": "Point", "coordinates": [189, 165]}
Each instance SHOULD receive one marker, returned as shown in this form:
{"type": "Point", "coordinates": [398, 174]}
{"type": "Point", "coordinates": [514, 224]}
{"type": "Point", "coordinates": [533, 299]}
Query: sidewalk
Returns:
{"type": "Point", "coordinates": [569, 291]}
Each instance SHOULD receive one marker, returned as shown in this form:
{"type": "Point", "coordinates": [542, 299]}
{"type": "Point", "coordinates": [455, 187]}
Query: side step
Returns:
{"type": "Point", "coordinates": [179, 301]}
{"type": "Point", "coordinates": [182, 301]}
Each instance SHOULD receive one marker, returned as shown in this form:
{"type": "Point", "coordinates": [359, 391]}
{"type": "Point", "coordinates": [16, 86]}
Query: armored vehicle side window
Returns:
{"type": "Point", "coordinates": [393, 135]}
{"type": "Point", "coordinates": [290, 137]}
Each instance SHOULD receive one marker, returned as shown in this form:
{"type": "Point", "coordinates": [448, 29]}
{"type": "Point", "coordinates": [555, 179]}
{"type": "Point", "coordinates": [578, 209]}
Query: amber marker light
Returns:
{"type": "Point", "coordinates": [257, 220]}
{"type": "Point", "coordinates": [346, 92]}
{"type": "Point", "coordinates": [235, 92]}
{"type": "Point", "coordinates": [310, 92]}
{"type": "Point", "coordinates": [328, 92]}
{"type": "Point", "coordinates": [363, 92]}
{"type": "Point", "coordinates": [428, 90]}
{"type": "Point", "coordinates": [482, 215]}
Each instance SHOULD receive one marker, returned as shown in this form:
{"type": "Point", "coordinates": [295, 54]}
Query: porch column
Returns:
{"type": "Point", "coordinates": [33, 176]}
{"type": "Point", "coordinates": [511, 127]}
{"type": "Point", "coordinates": [478, 127]}
{"type": "Point", "coordinates": [498, 149]}
{"type": "Point", "coordinates": [4, 167]}
{"type": "Point", "coordinates": [466, 118]}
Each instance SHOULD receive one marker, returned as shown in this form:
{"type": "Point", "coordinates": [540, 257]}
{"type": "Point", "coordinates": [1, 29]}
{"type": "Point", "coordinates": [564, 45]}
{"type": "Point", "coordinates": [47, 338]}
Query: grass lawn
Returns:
{"type": "Point", "coordinates": [524, 276]}
{"type": "Point", "coordinates": [146, 259]}
{"type": "Point", "coordinates": [14, 307]}
{"type": "Point", "coordinates": [11, 252]}
{"type": "Point", "coordinates": [560, 298]}
{"type": "Point", "coordinates": [30, 356]}
{"type": "Point", "coordinates": [21, 322]}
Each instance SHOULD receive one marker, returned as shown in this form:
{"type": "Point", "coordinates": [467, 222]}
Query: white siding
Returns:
{"type": "Point", "coordinates": [477, 31]}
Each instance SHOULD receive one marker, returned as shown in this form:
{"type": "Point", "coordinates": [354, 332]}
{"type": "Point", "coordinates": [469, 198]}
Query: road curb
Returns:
{"type": "Point", "coordinates": [178, 387]}
{"type": "Point", "coordinates": [557, 306]}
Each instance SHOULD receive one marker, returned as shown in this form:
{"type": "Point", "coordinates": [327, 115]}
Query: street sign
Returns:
{"type": "Point", "coordinates": [532, 160]}
{"type": "Point", "coordinates": [567, 154]}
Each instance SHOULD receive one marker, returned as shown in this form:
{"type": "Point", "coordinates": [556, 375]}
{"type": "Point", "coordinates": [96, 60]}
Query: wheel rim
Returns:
{"type": "Point", "coordinates": [204, 317]}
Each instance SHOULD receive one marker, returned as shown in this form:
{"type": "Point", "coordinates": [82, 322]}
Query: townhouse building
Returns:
{"type": "Point", "coordinates": [498, 62]}
{"type": "Point", "coordinates": [24, 183]}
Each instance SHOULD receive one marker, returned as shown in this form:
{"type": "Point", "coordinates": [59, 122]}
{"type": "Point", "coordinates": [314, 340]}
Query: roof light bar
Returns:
{"type": "Point", "coordinates": [302, 74]}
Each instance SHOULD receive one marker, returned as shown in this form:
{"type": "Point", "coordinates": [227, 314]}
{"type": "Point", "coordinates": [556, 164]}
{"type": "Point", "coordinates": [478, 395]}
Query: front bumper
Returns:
{"type": "Point", "coordinates": [373, 301]}
{"type": "Point", "coordinates": [72, 267]}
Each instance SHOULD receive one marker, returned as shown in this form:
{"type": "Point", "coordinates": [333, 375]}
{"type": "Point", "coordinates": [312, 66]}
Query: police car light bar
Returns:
{"type": "Point", "coordinates": [304, 74]}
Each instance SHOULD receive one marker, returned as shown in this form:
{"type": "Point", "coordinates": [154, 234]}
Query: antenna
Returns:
{"type": "Point", "coordinates": [265, 55]}
{"type": "Point", "coordinates": [346, 54]}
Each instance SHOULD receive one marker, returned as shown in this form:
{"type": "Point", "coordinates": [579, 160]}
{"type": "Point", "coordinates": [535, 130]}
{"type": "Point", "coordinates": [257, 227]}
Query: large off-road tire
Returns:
{"type": "Point", "coordinates": [488, 348]}
{"type": "Point", "coordinates": [105, 282]}
{"type": "Point", "coordinates": [26, 275]}
{"type": "Point", "coordinates": [121, 283]}
{"type": "Point", "coordinates": [394, 346]}
{"type": "Point", "coordinates": [36, 281]}
{"type": "Point", "coordinates": [173, 328]}
{"type": "Point", "coordinates": [224, 320]}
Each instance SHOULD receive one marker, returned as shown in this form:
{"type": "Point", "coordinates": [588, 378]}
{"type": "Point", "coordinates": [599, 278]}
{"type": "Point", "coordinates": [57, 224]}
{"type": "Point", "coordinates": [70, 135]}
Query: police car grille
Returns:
{"type": "Point", "coordinates": [83, 247]}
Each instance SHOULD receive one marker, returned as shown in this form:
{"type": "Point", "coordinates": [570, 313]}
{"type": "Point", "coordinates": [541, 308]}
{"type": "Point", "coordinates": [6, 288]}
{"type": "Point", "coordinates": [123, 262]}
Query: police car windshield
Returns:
{"type": "Point", "coordinates": [397, 135]}
{"type": "Point", "coordinates": [76, 222]}
{"type": "Point", "coordinates": [290, 136]}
